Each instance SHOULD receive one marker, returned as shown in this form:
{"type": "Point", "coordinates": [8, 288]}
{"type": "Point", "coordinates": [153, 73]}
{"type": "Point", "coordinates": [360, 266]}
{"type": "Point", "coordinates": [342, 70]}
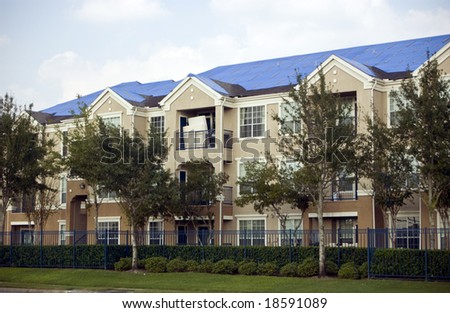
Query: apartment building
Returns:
{"type": "Point", "coordinates": [225, 114]}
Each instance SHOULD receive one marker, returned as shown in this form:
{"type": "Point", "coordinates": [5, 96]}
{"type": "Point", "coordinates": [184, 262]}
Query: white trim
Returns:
{"type": "Point", "coordinates": [228, 217]}
{"type": "Point", "coordinates": [251, 216]}
{"type": "Point", "coordinates": [22, 223]}
{"type": "Point", "coordinates": [167, 101]}
{"type": "Point", "coordinates": [334, 214]}
{"type": "Point", "coordinates": [110, 219]}
{"type": "Point", "coordinates": [351, 70]}
{"type": "Point", "coordinates": [238, 122]}
{"type": "Point", "coordinates": [97, 104]}
{"type": "Point", "coordinates": [118, 114]}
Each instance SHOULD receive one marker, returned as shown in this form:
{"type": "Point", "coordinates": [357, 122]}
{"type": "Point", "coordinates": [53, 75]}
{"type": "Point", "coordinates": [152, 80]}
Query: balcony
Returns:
{"type": "Point", "coordinates": [343, 189]}
{"type": "Point", "coordinates": [204, 140]}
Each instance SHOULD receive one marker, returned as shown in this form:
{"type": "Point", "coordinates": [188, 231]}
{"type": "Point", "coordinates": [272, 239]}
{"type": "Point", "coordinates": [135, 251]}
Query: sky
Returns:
{"type": "Point", "coordinates": [53, 50]}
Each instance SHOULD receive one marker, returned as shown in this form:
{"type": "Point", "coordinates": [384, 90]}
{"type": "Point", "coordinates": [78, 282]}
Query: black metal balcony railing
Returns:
{"type": "Point", "coordinates": [343, 189]}
{"type": "Point", "coordinates": [203, 139]}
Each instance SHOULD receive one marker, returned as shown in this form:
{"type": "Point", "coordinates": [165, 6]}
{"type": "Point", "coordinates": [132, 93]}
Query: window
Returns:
{"type": "Point", "coordinates": [349, 107]}
{"type": "Point", "coordinates": [112, 121]}
{"type": "Point", "coordinates": [288, 113]}
{"type": "Point", "coordinates": [63, 190]}
{"type": "Point", "coordinates": [64, 146]}
{"type": "Point", "coordinates": [62, 234]}
{"type": "Point", "coordinates": [393, 112]}
{"type": "Point", "coordinates": [251, 232]}
{"type": "Point", "coordinates": [247, 187]}
{"type": "Point", "coordinates": [155, 233]}
{"type": "Point", "coordinates": [252, 122]}
{"type": "Point", "coordinates": [108, 232]}
{"type": "Point", "coordinates": [346, 231]}
{"type": "Point", "coordinates": [157, 123]}
{"type": "Point", "coordinates": [408, 232]}
{"type": "Point", "coordinates": [107, 195]}
{"type": "Point", "coordinates": [294, 233]}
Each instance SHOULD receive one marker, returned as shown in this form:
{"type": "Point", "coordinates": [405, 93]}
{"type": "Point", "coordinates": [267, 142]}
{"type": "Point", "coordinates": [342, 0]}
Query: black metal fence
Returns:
{"type": "Point", "coordinates": [413, 253]}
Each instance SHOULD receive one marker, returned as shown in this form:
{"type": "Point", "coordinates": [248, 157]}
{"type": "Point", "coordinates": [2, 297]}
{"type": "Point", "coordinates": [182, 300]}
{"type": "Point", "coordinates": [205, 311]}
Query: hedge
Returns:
{"type": "Point", "coordinates": [383, 262]}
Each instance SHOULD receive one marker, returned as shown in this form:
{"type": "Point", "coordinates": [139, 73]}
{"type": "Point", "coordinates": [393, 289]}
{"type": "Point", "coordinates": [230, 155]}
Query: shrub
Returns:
{"type": "Point", "coordinates": [124, 264]}
{"type": "Point", "coordinates": [289, 270]}
{"type": "Point", "coordinates": [308, 268]}
{"type": "Point", "coordinates": [267, 269]}
{"type": "Point", "coordinates": [156, 264]}
{"type": "Point", "coordinates": [206, 267]}
{"type": "Point", "coordinates": [348, 271]}
{"type": "Point", "coordinates": [362, 269]}
{"type": "Point", "coordinates": [176, 265]}
{"type": "Point", "coordinates": [331, 268]}
{"type": "Point", "coordinates": [248, 268]}
{"type": "Point", "coordinates": [191, 266]}
{"type": "Point", "coordinates": [225, 267]}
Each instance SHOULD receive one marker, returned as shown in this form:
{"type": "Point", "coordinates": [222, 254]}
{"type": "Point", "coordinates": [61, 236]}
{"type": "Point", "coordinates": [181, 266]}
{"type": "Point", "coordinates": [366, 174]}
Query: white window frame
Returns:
{"type": "Point", "coordinates": [160, 238]}
{"type": "Point", "coordinates": [62, 232]}
{"type": "Point", "coordinates": [110, 219]}
{"type": "Point", "coordinates": [241, 164]}
{"type": "Point", "coordinates": [163, 122]}
{"type": "Point", "coordinates": [292, 217]}
{"type": "Point", "coordinates": [264, 119]}
{"type": "Point", "coordinates": [252, 219]}
{"type": "Point", "coordinates": [111, 115]}
{"type": "Point", "coordinates": [284, 109]}
{"type": "Point", "coordinates": [63, 190]}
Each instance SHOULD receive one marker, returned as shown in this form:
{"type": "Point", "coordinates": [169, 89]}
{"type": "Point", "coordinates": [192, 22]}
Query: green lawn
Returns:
{"type": "Point", "coordinates": [100, 280]}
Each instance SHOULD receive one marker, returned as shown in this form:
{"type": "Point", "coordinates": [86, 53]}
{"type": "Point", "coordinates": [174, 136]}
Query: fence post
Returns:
{"type": "Point", "coordinates": [368, 252]}
{"type": "Point", "coordinates": [290, 245]}
{"type": "Point", "coordinates": [74, 248]}
{"type": "Point", "coordinates": [426, 254]}
{"type": "Point", "coordinates": [245, 244]}
{"type": "Point", "coordinates": [127, 249]}
{"type": "Point", "coordinates": [339, 246]}
{"type": "Point", "coordinates": [40, 248]}
{"type": "Point", "coordinates": [105, 253]}
{"type": "Point", "coordinates": [10, 249]}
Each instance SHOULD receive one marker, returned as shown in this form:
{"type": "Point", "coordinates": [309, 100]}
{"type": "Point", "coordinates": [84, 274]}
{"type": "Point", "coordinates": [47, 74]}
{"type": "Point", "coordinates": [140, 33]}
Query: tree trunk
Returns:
{"type": "Point", "coordinates": [134, 247]}
{"type": "Point", "coordinates": [322, 272]}
{"type": "Point", "coordinates": [431, 213]}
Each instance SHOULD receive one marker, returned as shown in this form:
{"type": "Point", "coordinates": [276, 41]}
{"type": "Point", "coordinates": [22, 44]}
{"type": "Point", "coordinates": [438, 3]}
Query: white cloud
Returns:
{"type": "Point", "coordinates": [120, 10]}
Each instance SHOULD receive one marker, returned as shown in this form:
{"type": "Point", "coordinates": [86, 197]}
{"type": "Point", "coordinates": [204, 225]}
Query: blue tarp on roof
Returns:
{"type": "Point", "coordinates": [389, 58]}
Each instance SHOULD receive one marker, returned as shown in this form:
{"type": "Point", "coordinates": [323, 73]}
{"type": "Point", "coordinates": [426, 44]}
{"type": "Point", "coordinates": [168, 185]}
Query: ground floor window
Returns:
{"type": "Point", "coordinates": [294, 233]}
{"type": "Point", "coordinates": [108, 232]}
{"type": "Point", "coordinates": [346, 231]}
{"type": "Point", "coordinates": [252, 232]}
{"type": "Point", "coordinates": [155, 233]}
{"type": "Point", "coordinates": [408, 232]}
{"type": "Point", "coordinates": [62, 234]}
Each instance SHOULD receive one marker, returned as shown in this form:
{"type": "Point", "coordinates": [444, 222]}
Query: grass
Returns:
{"type": "Point", "coordinates": [100, 280]}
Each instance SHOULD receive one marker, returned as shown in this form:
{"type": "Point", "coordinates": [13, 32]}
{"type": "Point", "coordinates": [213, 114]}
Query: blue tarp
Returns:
{"type": "Point", "coordinates": [394, 57]}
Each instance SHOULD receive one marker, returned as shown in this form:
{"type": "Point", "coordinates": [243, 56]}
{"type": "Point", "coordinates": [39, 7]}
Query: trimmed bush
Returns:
{"type": "Point", "coordinates": [191, 266]}
{"type": "Point", "coordinates": [289, 270]}
{"type": "Point", "coordinates": [348, 271]}
{"type": "Point", "coordinates": [206, 267]}
{"type": "Point", "coordinates": [176, 266]}
{"type": "Point", "coordinates": [156, 264]}
{"type": "Point", "coordinates": [308, 268]}
{"type": "Point", "coordinates": [267, 269]}
{"type": "Point", "coordinates": [124, 264]}
{"type": "Point", "coordinates": [362, 269]}
{"type": "Point", "coordinates": [331, 268]}
{"type": "Point", "coordinates": [248, 268]}
{"type": "Point", "coordinates": [225, 267]}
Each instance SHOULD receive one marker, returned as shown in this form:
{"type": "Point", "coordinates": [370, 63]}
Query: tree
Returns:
{"type": "Point", "coordinates": [20, 156]}
{"type": "Point", "coordinates": [201, 193]}
{"type": "Point", "coordinates": [44, 194]}
{"type": "Point", "coordinates": [323, 145]}
{"type": "Point", "coordinates": [387, 165]}
{"type": "Point", "coordinates": [143, 186]}
{"type": "Point", "coordinates": [271, 187]}
{"type": "Point", "coordinates": [424, 122]}
{"type": "Point", "coordinates": [85, 144]}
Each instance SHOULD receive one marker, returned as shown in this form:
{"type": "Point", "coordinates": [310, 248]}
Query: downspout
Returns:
{"type": "Point", "coordinates": [221, 147]}
{"type": "Point", "coordinates": [372, 118]}
{"type": "Point", "coordinates": [132, 121]}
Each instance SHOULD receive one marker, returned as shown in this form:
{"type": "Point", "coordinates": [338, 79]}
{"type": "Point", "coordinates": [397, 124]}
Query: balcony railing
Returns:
{"type": "Point", "coordinates": [343, 189]}
{"type": "Point", "coordinates": [202, 139]}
